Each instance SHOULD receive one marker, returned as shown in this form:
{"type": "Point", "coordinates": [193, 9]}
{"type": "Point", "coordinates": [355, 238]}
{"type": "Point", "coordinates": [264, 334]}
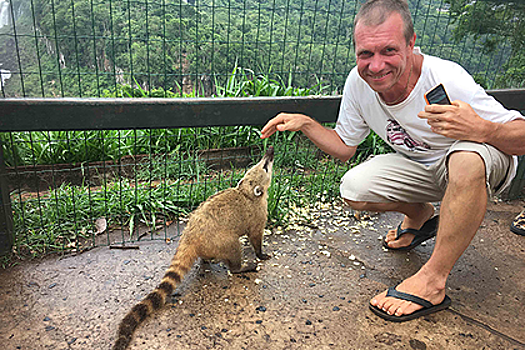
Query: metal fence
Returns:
{"type": "Point", "coordinates": [79, 173]}
{"type": "Point", "coordinates": [102, 186]}
{"type": "Point", "coordinates": [110, 176]}
{"type": "Point", "coordinates": [92, 48]}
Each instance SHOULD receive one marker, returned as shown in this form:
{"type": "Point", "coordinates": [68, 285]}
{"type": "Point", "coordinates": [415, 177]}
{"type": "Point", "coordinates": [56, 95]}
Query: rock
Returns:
{"type": "Point", "coordinates": [417, 344]}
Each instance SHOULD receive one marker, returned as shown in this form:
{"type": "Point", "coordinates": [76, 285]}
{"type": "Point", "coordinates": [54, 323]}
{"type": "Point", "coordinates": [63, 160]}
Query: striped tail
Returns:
{"type": "Point", "coordinates": [180, 265]}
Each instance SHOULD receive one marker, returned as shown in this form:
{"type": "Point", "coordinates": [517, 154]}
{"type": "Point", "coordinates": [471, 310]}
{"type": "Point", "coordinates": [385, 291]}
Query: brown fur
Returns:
{"type": "Point", "coordinates": [212, 232]}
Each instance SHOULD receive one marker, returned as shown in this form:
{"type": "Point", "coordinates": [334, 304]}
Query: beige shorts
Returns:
{"type": "Point", "coordinates": [395, 178]}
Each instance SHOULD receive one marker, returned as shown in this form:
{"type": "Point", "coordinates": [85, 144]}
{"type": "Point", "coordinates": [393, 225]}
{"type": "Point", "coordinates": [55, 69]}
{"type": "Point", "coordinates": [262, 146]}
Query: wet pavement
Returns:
{"type": "Point", "coordinates": [312, 294]}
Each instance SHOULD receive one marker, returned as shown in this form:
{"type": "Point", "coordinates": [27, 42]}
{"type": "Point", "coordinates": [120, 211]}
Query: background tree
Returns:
{"type": "Point", "coordinates": [501, 24]}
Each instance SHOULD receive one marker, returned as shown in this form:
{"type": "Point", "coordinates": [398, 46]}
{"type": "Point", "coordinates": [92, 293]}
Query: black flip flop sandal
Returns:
{"type": "Point", "coordinates": [428, 307]}
{"type": "Point", "coordinates": [518, 225]}
{"type": "Point", "coordinates": [426, 232]}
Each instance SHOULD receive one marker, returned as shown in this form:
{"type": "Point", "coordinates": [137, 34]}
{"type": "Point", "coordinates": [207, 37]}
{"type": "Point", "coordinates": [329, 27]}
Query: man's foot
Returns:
{"type": "Point", "coordinates": [409, 222]}
{"type": "Point", "coordinates": [418, 285]}
{"type": "Point", "coordinates": [427, 307]}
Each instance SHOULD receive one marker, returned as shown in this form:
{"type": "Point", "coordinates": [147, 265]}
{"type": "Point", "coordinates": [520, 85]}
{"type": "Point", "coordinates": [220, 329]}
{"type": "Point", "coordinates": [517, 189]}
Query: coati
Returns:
{"type": "Point", "coordinates": [212, 232]}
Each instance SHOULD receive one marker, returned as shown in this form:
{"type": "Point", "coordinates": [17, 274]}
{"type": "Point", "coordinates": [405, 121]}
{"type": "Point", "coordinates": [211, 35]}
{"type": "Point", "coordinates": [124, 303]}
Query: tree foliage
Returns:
{"type": "Point", "coordinates": [495, 22]}
{"type": "Point", "coordinates": [91, 47]}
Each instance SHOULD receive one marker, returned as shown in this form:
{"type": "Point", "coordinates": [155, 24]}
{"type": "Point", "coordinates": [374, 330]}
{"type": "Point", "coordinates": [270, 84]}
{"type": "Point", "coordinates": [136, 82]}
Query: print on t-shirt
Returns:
{"type": "Point", "coordinates": [398, 136]}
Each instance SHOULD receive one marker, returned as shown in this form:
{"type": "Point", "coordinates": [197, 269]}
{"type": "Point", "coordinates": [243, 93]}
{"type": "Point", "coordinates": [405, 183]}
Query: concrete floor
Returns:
{"type": "Point", "coordinates": [312, 294]}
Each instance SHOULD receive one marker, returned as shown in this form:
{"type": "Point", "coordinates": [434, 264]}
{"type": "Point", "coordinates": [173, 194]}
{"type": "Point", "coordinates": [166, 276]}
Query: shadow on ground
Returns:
{"type": "Point", "coordinates": [312, 294]}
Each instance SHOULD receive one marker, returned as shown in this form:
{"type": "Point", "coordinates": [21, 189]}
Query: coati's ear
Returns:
{"type": "Point", "coordinates": [257, 191]}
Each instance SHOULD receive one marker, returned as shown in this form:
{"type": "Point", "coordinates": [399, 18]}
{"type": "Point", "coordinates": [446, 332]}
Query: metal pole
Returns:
{"type": "Point", "coordinates": [6, 214]}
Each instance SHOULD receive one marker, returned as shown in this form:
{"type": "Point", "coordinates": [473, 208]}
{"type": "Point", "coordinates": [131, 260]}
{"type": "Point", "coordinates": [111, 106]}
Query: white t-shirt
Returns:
{"type": "Point", "coordinates": [363, 109]}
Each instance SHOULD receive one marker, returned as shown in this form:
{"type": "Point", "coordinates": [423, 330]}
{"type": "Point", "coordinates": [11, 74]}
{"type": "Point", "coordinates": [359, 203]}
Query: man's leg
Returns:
{"type": "Point", "coordinates": [462, 210]}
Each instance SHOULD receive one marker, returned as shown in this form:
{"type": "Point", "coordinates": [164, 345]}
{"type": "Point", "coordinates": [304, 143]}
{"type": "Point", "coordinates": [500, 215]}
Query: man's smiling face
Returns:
{"type": "Point", "coordinates": [382, 55]}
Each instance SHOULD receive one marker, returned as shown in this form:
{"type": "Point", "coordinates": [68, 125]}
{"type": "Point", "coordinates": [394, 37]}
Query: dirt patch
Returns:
{"type": "Point", "coordinates": [312, 294]}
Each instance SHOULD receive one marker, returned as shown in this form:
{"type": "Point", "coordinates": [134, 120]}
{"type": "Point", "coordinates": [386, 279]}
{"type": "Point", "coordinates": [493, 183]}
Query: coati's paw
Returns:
{"type": "Point", "coordinates": [263, 256]}
{"type": "Point", "coordinates": [249, 267]}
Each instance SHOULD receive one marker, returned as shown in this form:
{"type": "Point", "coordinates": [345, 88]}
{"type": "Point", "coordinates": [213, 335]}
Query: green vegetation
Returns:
{"type": "Point", "coordinates": [175, 48]}
{"type": "Point", "coordinates": [166, 178]}
{"type": "Point", "coordinates": [491, 22]}
{"type": "Point", "coordinates": [222, 48]}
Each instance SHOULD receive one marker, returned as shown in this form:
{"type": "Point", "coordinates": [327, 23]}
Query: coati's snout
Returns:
{"type": "Point", "coordinates": [268, 159]}
{"type": "Point", "coordinates": [257, 180]}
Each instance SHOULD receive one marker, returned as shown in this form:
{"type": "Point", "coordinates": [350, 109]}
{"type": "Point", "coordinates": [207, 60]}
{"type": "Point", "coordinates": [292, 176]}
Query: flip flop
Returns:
{"type": "Point", "coordinates": [428, 307]}
{"type": "Point", "coordinates": [427, 231]}
{"type": "Point", "coordinates": [518, 225]}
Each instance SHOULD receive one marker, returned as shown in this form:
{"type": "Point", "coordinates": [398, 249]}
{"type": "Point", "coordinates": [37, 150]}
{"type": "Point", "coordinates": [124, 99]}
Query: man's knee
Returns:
{"type": "Point", "coordinates": [466, 168]}
{"type": "Point", "coordinates": [356, 184]}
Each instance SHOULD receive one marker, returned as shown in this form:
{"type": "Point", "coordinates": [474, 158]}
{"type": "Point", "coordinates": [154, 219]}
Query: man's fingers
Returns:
{"type": "Point", "coordinates": [267, 133]}
{"type": "Point", "coordinates": [270, 128]}
{"type": "Point", "coordinates": [283, 122]}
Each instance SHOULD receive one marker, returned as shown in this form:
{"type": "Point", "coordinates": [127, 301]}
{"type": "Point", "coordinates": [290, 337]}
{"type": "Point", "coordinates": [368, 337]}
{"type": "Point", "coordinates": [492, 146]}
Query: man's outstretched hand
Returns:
{"type": "Point", "coordinates": [284, 122]}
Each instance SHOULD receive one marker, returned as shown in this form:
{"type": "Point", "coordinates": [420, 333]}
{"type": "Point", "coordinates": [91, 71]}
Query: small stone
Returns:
{"type": "Point", "coordinates": [49, 328]}
{"type": "Point", "coordinates": [261, 309]}
{"type": "Point", "coordinates": [308, 322]}
{"type": "Point", "coordinates": [336, 308]}
{"type": "Point", "coordinates": [52, 285]}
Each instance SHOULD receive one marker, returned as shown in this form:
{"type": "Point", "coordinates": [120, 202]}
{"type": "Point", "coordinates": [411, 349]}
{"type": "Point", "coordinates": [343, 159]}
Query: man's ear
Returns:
{"type": "Point", "coordinates": [257, 191]}
{"type": "Point", "coordinates": [412, 41]}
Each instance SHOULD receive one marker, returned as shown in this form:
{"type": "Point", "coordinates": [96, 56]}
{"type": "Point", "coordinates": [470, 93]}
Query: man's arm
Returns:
{"type": "Point", "coordinates": [459, 121]}
{"type": "Point", "coordinates": [508, 137]}
{"type": "Point", "coordinates": [326, 139]}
